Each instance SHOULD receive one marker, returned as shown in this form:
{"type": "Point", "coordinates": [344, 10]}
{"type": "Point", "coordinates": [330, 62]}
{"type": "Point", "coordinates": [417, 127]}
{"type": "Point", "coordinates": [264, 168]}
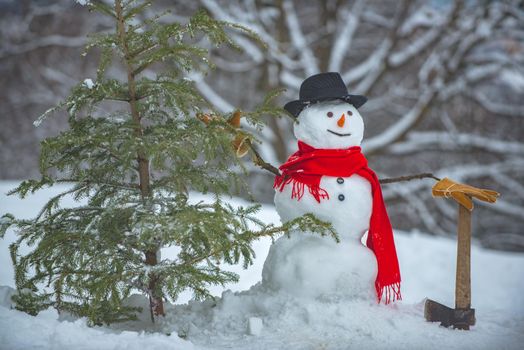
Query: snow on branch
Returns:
{"type": "Point", "coordinates": [308, 59]}
{"type": "Point", "coordinates": [512, 110]}
{"type": "Point", "coordinates": [215, 99]}
{"type": "Point", "coordinates": [401, 127]}
{"type": "Point", "coordinates": [50, 40]}
{"type": "Point", "coordinates": [381, 64]}
{"type": "Point", "coordinates": [421, 43]}
{"type": "Point", "coordinates": [438, 25]}
{"type": "Point", "coordinates": [231, 14]}
{"type": "Point", "coordinates": [419, 208]}
{"type": "Point", "coordinates": [463, 82]}
{"type": "Point", "coordinates": [372, 61]}
{"type": "Point", "coordinates": [509, 183]}
{"type": "Point", "coordinates": [420, 141]}
{"type": "Point", "coordinates": [425, 16]}
{"type": "Point", "coordinates": [248, 47]}
{"type": "Point", "coordinates": [464, 173]}
{"type": "Point", "coordinates": [345, 36]}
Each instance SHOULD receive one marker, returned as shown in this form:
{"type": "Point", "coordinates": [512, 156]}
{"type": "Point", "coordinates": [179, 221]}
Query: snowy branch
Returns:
{"type": "Point", "coordinates": [51, 40]}
{"type": "Point", "coordinates": [466, 172]}
{"type": "Point", "coordinates": [421, 141]}
{"type": "Point", "coordinates": [345, 37]}
{"type": "Point", "coordinates": [512, 110]}
{"type": "Point", "coordinates": [309, 62]}
{"type": "Point", "coordinates": [401, 127]}
{"type": "Point", "coordinates": [220, 103]}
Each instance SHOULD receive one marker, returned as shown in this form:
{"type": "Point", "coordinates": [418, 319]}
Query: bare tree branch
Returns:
{"type": "Point", "coordinates": [309, 62]}
{"type": "Point", "coordinates": [343, 40]}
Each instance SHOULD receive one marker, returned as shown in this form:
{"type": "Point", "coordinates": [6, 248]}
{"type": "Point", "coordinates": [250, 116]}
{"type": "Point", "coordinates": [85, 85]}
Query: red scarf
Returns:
{"type": "Point", "coordinates": [307, 166]}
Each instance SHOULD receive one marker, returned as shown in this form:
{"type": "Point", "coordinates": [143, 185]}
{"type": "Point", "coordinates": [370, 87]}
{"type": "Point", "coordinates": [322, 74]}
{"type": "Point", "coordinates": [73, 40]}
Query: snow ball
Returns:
{"type": "Point", "coordinates": [254, 326]}
{"type": "Point", "coordinates": [89, 83]}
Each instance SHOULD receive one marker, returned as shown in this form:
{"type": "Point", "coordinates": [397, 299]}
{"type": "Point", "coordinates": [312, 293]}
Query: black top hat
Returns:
{"type": "Point", "coordinates": [323, 87]}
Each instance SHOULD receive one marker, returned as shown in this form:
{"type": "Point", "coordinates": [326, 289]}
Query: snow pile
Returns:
{"type": "Point", "coordinates": [19, 331]}
{"type": "Point", "coordinates": [261, 318]}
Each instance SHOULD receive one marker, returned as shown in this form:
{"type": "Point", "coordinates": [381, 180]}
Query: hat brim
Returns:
{"type": "Point", "coordinates": [295, 107]}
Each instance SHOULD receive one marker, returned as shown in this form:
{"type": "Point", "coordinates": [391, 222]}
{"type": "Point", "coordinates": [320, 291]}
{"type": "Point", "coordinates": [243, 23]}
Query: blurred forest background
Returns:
{"type": "Point", "coordinates": [445, 82]}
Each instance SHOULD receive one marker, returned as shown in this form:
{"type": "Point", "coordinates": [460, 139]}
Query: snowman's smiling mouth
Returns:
{"type": "Point", "coordinates": [336, 133]}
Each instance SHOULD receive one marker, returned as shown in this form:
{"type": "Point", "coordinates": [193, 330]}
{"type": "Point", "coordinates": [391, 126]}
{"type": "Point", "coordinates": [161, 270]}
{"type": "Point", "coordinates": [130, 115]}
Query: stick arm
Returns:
{"type": "Point", "coordinates": [259, 161]}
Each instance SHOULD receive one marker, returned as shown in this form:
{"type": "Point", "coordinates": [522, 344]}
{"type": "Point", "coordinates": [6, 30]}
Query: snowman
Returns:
{"type": "Point", "coordinates": [329, 177]}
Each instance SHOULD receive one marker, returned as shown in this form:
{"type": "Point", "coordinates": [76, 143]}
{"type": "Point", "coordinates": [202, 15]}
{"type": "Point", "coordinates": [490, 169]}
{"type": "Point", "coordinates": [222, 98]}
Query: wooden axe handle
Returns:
{"type": "Point", "coordinates": [463, 277]}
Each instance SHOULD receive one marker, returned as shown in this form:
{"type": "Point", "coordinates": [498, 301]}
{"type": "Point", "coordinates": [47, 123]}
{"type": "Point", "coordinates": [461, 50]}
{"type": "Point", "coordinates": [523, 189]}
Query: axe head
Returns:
{"type": "Point", "coordinates": [458, 318]}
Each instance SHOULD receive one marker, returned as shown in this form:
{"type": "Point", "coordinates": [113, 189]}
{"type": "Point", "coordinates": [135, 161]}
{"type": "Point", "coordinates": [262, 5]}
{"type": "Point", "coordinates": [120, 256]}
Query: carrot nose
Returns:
{"type": "Point", "coordinates": [342, 120]}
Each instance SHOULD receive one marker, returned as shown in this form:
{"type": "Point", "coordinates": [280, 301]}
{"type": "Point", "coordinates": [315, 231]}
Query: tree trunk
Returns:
{"type": "Point", "coordinates": [156, 303]}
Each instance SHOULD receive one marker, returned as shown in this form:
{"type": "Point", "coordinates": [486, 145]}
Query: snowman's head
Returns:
{"type": "Point", "coordinates": [331, 124]}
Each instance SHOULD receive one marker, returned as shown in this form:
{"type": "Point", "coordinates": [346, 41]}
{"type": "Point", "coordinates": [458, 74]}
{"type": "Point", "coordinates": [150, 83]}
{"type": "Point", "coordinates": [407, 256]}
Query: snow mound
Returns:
{"type": "Point", "coordinates": [19, 331]}
{"type": "Point", "coordinates": [305, 323]}
{"type": "Point", "coordinates": [6, 293]}
{"type": "Point", "coordinates": [311, 266]}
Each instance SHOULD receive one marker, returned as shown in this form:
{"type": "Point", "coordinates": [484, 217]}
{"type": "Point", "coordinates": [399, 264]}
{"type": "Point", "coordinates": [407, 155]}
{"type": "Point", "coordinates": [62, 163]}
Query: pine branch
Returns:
{"type": "Point", "coordinates": [87, 183]}
{"type": "Point", "coordinates": [51, 202]}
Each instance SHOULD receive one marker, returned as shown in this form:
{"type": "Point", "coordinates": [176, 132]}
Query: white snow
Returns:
{"type": "Point", "coordinates": [425, 16]}
{"type": "Point", "coordinates": [219, 102]}
{"type": "Point", "coordinates": [254, 326]}
{"type": "Point", "coordinates": [89, 83]}
{"type": "Point", "coordinates": [345, 37]}
{"type": "Point", "coordinates": [400, 126]}
{"type": "Point", "coordinates": [308, 59]}
{"type": "Point", "coordinates": [294, 322]}
{"type": "Point", "coordinates": [83, 2]}
{"type": "Point", "coordinates": [418, 140]}
{"type": "Point", "coordinates": [513, 78]}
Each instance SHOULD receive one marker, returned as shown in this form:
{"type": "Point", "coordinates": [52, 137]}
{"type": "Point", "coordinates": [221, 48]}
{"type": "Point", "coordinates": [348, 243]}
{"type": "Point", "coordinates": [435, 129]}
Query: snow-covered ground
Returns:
{"type": "Point", "coordinates": [288, 322]}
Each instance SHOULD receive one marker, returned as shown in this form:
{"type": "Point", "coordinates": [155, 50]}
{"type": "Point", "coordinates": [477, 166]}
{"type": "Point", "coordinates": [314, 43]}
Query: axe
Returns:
{"type": "Point", "coordinates": [462, 316]}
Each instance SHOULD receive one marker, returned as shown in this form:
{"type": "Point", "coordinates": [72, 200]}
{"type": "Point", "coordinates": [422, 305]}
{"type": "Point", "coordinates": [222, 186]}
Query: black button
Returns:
{"type": "Point", "coordinates": [341, 197]}
{"type": "Point", "coordinates": [340, 180]}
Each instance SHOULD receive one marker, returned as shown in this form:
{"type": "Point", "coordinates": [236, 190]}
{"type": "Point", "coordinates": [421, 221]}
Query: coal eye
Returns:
{"type": "Point", "coordinates": [330, 114]}
{"type": "Point", "coordinates": [350, 113]}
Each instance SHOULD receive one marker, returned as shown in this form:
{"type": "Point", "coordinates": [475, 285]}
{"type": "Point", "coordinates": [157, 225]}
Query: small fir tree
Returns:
{"type": "Point", "coordinates": [134, 167]}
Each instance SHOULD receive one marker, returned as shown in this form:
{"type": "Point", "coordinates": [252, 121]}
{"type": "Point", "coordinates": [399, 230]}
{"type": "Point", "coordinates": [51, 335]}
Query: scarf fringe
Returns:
{"type": "Point", "coordinates": [299, 188]}
{"type": "Point", "coordinates": [390, 292]}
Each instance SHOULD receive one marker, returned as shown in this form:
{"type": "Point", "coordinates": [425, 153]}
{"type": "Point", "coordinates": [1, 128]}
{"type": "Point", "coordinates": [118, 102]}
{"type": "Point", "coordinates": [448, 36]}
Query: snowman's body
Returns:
{"type": "Point", "coordinates": [348, 208]}
{"type": "Point", "coordinates": [308, 265]}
